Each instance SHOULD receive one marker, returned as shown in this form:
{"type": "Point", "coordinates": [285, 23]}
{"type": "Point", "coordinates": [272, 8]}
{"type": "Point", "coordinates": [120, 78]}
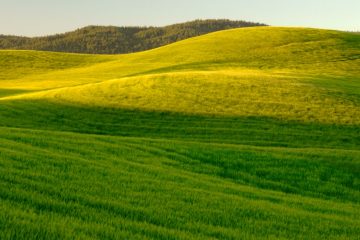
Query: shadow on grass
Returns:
{"type": "Point", "coordinates": [260, 131]}
{"type": "Point", "coordinates": [10, 92]}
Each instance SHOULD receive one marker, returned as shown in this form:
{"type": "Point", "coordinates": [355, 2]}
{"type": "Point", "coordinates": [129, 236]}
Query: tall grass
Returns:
{"type": "Point", "coordinates": [92, 186]}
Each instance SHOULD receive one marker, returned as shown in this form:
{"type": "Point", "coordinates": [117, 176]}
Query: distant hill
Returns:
{"type": "Point", "coordinates": [112, 40]}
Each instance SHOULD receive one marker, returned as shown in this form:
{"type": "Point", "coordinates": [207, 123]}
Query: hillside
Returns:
{"type": "Point", "coordinates": [272, 72]}
{"type": "Point", "coordinates": [111, 40]}
{"type": "Point", "coordinates": [249, 133]}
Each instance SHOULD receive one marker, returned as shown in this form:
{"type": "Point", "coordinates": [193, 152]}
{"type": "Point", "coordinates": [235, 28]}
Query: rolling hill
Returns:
{"type": "Point", "coordinates": [248, 133]}
{"type": "Point", "coordinates": [111, 40]}
{"type": "Point", "coordinates": [233, 73]}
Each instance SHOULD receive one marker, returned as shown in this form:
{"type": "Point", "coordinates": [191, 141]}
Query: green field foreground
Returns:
{"type": "Point", "coordinates": [240, 134]}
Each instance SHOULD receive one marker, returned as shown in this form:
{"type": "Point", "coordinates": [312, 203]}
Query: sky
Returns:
{"type": "Point", "coordinates": [45, 17]}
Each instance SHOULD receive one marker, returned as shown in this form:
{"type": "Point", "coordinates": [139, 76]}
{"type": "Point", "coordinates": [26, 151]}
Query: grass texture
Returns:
{"type": "Point", "coordinates": [241, 134]}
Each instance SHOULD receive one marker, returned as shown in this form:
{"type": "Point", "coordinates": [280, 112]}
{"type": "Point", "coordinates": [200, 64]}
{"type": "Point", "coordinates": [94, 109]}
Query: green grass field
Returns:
{"type": "Point", "coordinates": [241, 134]}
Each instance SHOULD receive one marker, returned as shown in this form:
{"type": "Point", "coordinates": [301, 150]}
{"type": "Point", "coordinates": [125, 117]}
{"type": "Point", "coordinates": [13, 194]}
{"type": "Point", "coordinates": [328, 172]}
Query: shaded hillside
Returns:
{"type": "Point", "coordinates": [111, 40]}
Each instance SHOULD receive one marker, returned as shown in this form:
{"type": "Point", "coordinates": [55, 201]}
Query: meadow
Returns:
{"type": "Point", "coordinates": [240, 134]}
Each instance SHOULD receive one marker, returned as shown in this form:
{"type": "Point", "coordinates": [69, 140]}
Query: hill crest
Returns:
{"type": "Point", "coordinates": [114, 40]}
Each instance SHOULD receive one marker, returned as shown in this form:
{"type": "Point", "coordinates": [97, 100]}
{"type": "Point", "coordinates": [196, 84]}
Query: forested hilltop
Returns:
{"type": "Point", "coordinates": [112, 40]}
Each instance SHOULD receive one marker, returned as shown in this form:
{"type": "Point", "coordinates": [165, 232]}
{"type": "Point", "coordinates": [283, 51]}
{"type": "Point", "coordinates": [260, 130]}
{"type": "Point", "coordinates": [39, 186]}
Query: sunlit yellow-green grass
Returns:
{"type": "Point", "coordinates": [240, 134]}
{"type": "Point", "coordinates": [274, 72]}
{"type": "Point", "coordinates": [231, 93]}
{"type": "Point", "coordinates": [308, 50]}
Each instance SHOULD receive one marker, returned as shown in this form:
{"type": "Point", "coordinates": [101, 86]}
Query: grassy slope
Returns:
{"type": "Point", "coordinates": [237, 134]}
{"type": "Point", "coordinates": [272, 72]}
{"type": "Point", "coordinates": [19, 64]}
{"type": "Point", "coordinates": [92, 186]}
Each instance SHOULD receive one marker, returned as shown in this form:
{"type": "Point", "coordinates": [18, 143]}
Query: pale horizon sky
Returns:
{"type": "Point", "coordinates": [46, 17]}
